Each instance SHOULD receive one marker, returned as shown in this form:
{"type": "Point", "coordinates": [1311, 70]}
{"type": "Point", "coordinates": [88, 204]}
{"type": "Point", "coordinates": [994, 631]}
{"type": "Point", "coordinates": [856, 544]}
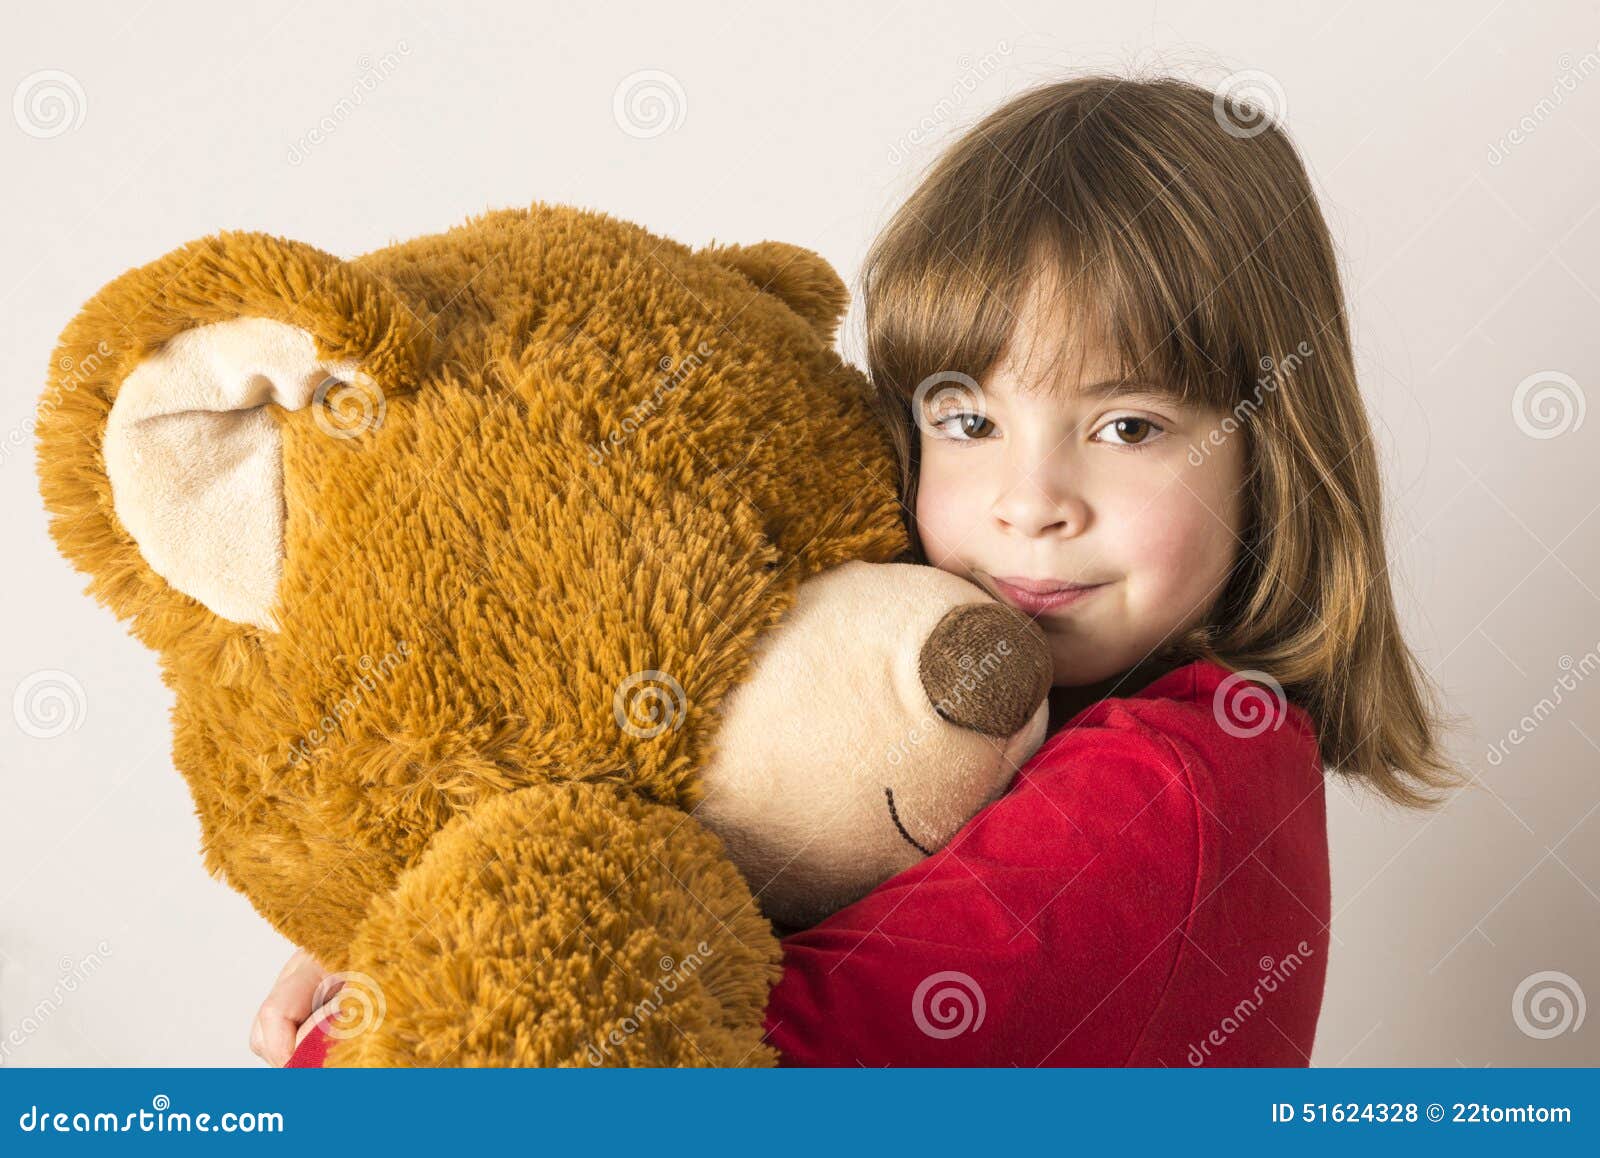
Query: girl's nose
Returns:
{"type": "Point", "coordinates": [986, 667]}
{"type": "Point", "coordinates": [1029, 509]}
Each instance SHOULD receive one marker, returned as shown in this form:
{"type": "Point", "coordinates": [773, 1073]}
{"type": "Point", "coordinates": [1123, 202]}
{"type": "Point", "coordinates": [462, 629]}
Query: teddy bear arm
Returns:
{"type": "Point", "coordinates": [562, 924]}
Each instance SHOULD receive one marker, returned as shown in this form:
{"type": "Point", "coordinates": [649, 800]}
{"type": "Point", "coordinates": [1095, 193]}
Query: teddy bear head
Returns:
{"type": "Point", "coordinates": [505, 504]}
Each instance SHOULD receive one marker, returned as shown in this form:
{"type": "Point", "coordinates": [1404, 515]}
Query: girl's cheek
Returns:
{"type": "Point", "coordinates": [947, 516]}
{"type": "Point", "coordinates": [1180, 543]}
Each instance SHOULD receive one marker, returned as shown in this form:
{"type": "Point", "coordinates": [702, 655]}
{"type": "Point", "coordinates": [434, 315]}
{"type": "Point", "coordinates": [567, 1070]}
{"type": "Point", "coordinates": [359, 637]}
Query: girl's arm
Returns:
{"type": "Point", "coordinates": [1044, 933]}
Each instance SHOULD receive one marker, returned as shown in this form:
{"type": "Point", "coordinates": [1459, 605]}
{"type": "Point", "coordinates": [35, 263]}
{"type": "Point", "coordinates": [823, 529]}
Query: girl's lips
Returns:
{"type": "Point", "coordinates": [1040, 596]}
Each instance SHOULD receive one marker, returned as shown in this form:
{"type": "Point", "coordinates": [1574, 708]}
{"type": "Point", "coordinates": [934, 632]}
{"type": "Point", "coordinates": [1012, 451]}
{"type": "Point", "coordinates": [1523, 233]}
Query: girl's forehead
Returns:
{"type": "Point", "coordinates": [1058, 350]}
{"type": "Point", "coordinates": [1067, 371]}
{"type": "Point", "coordinates": [1084, 328]}
{"type": "Point", "coordinates": [1058, 342]}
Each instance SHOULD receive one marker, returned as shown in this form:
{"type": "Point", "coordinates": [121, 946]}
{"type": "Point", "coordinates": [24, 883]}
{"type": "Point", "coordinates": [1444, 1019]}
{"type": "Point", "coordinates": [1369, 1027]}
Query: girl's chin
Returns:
{"type": "Point", "coordinates": [1081, 659]}
{"type": "Point", "coordinates": [1069, 674]}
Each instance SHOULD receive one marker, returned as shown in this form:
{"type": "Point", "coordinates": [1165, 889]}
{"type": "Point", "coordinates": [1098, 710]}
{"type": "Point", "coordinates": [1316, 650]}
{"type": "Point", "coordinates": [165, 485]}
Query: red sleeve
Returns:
{"type": "Point", "coordinates": [1042, 934]}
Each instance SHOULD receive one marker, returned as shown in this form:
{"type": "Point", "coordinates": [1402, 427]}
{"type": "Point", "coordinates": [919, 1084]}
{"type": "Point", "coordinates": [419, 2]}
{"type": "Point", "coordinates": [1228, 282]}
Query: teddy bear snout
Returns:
{"type": "Point", "coordinates": [986, 667]}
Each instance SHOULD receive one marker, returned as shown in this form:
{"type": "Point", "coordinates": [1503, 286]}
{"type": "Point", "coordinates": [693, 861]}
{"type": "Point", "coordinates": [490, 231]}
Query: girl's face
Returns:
{"type": "Point", "coordinates": [1080, 481]}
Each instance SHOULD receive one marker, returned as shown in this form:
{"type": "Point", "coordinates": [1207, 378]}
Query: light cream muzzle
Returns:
{"type": "Point", "coordinates": [891, 704]}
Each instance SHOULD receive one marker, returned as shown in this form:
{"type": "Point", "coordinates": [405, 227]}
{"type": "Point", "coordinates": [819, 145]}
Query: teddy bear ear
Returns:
{"type": "Point", "coordinates": [159, 456]}
{"type": "Point", "coordinates": [801, 279]}
{"type": "Point", "coordinates": [195, 461]}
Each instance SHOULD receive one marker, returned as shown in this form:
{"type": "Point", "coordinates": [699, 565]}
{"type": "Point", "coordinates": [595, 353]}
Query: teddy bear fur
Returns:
{"type": "Point", "coordinates": [418, 770]}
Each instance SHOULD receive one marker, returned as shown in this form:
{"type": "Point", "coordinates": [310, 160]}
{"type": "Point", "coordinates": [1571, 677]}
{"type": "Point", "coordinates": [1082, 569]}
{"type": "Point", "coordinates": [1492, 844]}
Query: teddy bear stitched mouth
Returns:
{"type": "Point", "coordinates": [895, 816]}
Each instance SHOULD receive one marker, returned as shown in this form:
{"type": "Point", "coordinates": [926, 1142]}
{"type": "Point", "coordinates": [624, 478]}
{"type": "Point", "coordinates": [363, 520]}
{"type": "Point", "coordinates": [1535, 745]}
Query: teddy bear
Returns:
{"type": "Point", "coordinates": [535, 601]}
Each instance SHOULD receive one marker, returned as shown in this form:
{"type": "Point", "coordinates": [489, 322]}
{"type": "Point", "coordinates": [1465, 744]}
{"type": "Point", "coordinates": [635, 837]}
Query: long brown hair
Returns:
{"type": "Point", "coordinates": [1188, 237]}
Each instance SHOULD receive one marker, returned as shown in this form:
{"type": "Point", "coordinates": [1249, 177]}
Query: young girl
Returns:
{"type": "Point", "coordinates": [1109, 336]}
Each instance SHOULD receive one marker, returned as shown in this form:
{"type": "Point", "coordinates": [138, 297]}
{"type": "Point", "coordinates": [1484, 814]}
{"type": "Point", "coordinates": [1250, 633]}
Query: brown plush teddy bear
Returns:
{"type": "Point", "coordinates": [476, 565]}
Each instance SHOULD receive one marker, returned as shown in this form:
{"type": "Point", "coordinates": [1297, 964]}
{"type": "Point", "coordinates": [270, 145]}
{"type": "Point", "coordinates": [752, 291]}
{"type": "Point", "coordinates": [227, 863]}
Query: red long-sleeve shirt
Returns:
{"type": "Point", "coordinates": [1152, 890]}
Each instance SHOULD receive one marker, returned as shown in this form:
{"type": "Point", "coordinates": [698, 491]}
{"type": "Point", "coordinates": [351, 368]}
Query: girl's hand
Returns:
{"type": "Point", "coordinates": [285, 1016]}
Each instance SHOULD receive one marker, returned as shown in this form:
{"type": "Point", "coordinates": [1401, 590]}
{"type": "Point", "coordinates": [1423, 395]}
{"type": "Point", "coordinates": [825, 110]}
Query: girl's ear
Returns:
{"type": "Point", "coordinates": [159, 454]}
{"type": "Point", "coordinates": [801, 279]}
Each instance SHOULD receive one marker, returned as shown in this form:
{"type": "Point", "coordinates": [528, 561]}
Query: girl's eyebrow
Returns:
{"type": "Point", "coordinates": [1138, 387]}
{"type": "Point", "coordinates": [1130, 386]}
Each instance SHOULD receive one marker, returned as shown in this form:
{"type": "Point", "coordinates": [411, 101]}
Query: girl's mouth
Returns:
{"type": "Point", "coordinates": [1037, 596]}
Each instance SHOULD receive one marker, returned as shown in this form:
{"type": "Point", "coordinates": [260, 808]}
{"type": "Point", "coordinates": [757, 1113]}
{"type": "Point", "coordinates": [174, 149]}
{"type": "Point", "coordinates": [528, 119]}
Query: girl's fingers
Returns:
{"type": "Point", "coordinates": [288, 1005]}
{"type": "Point", "coordinates": [272, 1039]}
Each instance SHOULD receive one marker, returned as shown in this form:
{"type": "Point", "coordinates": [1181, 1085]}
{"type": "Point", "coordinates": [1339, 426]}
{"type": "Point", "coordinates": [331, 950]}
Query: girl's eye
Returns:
{"type": "Point", "coordinates": [965, 426]}
{"type": "Point", "coordinates": [1130, 431]}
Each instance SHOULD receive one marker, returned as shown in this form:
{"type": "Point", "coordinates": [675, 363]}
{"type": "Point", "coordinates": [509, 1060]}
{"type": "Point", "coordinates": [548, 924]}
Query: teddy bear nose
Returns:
{"type": "Point", "coordinates": [986, 667]}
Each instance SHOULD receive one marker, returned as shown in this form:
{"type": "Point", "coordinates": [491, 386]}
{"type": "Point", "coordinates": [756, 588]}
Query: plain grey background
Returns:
{"type": "Point", "coordinates": [1456, 149]}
